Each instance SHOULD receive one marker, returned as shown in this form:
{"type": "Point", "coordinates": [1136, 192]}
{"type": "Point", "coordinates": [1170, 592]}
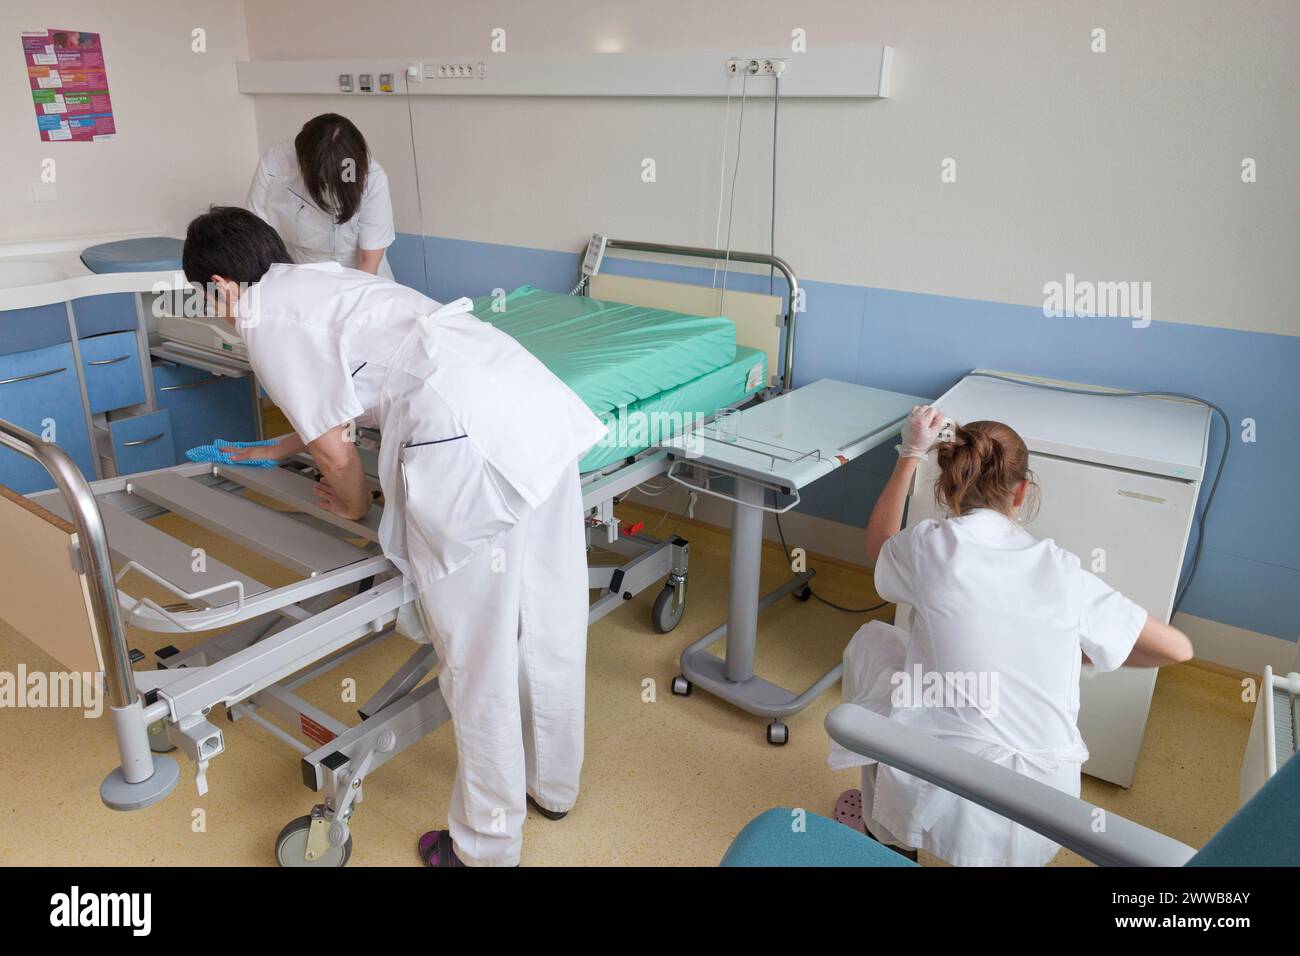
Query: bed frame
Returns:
{"type": "Point", "coordinates": [60, 588]}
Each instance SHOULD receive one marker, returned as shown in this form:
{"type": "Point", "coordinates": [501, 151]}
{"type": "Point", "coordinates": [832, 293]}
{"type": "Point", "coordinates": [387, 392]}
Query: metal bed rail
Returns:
{"type": "Point", "coordinates": [282, 637]}
{"type": "Point", "coordinates": [143, 777]}
{"type": "Point", "coordinates": [650, 559]}
{"type": "Point", "coordinates": [793, 305]}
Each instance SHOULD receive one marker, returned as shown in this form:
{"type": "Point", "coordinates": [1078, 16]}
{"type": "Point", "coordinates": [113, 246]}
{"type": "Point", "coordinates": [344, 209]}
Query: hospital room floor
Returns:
{"type": "Point", "coordinates": [667, 781]}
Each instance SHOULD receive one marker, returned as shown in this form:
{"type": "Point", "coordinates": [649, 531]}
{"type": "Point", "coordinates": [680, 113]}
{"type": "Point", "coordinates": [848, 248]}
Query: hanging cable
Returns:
{"type": "Point", "coordinates": [419, 199]}
{"type": "Point", "coordinates": [722, 182]}
{"type": "Point", "coordinates": [731, 203]}
{"type": "Point", "coordinates": [776, 106]}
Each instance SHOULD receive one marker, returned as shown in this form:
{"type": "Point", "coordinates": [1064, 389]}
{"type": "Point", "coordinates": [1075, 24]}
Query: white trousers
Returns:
{"type": "Point", "coordinates": [510, 629]}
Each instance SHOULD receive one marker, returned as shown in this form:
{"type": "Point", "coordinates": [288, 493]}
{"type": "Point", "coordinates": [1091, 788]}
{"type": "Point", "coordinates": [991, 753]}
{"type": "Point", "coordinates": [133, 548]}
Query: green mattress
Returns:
{"type": "Point", "coordinates": [638, 426]}
{"type": "Point", "coordinates": [613, 355]}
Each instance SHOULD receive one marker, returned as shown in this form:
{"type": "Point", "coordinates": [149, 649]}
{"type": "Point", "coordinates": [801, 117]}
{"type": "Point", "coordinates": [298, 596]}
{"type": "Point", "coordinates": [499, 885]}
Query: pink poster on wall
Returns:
{"type": "Point", "coordinates": [69, 85]}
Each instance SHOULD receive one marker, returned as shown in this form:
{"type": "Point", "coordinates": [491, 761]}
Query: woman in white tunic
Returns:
{"type": "Point", "coordinates": [990, 659]}
{"type": "Point", "coordinates": [326, 196]}
{"type": "Point", "coordinates": [483, 505]}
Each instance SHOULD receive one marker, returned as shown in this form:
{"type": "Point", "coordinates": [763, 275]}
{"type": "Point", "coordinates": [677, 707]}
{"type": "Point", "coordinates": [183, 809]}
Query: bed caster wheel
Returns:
{"type": "Point", "coordinates": [667, 611]}
{"type": "Point", "coordinates": [681, 686]}
{"type": "Point", "coordinates": [803, 593]}
{"type": "Point", "coordinates": [778, 734]}
{"type": "Point", "coordinates": [291, 847]}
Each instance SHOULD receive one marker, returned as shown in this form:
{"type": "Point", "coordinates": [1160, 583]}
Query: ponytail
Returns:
{"type": "Point", "coordinates": [980, 468]}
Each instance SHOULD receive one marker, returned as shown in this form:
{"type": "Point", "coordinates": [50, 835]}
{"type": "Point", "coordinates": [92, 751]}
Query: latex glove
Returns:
{"type": "Point", "coordinates": [921, 431]}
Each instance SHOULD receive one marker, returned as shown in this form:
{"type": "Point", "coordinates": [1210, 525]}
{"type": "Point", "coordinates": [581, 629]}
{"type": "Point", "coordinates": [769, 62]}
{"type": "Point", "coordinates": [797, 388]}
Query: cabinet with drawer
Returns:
{"type": "Point", "coordinates": [98, 314]}
{"type": "Point", "coordinates": [137, 443]}
{"type": "Point", "coordinates": [22, 330]}
{"type": "Point", "coordinates": [111, 369]}
{"type": "Point", "coordinates": [203, 406]}
{"type": "Point", "coordinates": [39, 391]}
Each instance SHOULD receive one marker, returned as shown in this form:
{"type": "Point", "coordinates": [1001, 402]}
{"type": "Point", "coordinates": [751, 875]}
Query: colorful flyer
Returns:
{"type": "Point", "coordinates": [69, 85]}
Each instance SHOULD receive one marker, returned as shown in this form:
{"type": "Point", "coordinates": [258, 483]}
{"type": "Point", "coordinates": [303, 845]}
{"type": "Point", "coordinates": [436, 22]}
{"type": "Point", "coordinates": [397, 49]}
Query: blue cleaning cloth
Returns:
{"type": "Point", "coordinates": [221, 455]}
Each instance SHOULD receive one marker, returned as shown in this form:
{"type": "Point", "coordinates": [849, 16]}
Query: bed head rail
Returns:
{"type": "Point", "coordinates": [68, 559]}
{"type": "Point", "coordinates": [793, 303]}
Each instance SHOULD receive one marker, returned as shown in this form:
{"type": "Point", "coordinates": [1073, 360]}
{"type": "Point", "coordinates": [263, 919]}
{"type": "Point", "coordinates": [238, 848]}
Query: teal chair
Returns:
{"type": "Point", "coordinates": [1264, 832]}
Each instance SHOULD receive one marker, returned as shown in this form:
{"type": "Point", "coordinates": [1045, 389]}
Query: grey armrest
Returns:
{"type": "Point", "coordinates": [1043, 809]}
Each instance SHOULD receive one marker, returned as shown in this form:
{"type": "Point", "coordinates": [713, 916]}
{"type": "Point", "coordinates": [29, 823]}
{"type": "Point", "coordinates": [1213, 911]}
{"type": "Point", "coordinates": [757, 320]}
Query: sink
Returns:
{"type": "Point", "coordinates": [16, 274]}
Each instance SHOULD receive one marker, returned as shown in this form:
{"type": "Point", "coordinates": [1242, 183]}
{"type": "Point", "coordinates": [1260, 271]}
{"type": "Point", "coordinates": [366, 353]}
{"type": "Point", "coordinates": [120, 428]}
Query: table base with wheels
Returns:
{"type": "Point", "coordinates": [732, 677]}
{"type": "Point", "coordinates": [778, 446]}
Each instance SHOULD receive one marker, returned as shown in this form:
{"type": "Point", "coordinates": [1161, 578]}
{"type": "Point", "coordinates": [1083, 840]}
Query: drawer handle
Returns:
{"type": "Point", "coordinates": [142, 441]}
{"type": "Point", "coordinates": [206, 381]}
{"type": "Point", "coordinates": [112, 361]}
{"type": "Point", "coordinates": [28, 378]}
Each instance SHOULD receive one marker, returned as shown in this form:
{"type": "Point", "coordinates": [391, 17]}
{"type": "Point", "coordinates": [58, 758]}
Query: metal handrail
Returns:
{"type": "Point", "coordinates": [92, 547]}
{"type": "Point", "coordinates": [721, 255]}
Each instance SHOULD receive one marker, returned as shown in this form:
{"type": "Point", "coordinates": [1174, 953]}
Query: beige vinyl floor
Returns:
{"type": "Point", "coordinates": [667, 780]}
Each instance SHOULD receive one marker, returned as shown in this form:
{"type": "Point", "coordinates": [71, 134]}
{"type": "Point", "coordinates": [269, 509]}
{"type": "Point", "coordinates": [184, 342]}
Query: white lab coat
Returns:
{"type": "Point", "coordinates": [483, 509]}
{"type": "Point", "coordinates": [278, 195]}
{"type": "Point", "coordinates": [430, 375]}
{"type": "Point", "coordinates": [999, 619]}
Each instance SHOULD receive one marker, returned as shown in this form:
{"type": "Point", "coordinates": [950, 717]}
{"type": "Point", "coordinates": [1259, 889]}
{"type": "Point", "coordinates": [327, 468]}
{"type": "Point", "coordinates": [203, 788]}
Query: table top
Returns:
{"type": "Point", "coordinates": [799, 436]}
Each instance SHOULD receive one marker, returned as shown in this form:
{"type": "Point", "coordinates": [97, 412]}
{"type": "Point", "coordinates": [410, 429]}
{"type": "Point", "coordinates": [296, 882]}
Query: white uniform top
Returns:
{"type": "Point", "coordinates": [475, 428]}
{"type": "Point", "coordinates": [1004, 617]}
{"type": "Point", "coordinates": [279, 196]}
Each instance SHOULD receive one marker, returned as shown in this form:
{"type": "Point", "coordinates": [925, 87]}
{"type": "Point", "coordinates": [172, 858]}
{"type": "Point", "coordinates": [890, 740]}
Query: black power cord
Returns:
{"type": "Point", "coordinates": [848, 610]}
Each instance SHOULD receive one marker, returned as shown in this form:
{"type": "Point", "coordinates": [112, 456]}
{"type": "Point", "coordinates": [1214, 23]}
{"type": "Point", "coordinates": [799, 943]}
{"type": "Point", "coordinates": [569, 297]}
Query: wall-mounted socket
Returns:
{"type": "Point", "coordinates": [455, 71]}
{"type": "Point", "coordinates": [345, 82]}
{"type": "Point", "coordinates": [755, 66]}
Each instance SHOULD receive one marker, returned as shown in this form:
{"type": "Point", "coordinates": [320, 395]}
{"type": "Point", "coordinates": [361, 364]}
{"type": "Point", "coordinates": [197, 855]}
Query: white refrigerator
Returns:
{"type": "Point", "coordinates": [1119, 479]}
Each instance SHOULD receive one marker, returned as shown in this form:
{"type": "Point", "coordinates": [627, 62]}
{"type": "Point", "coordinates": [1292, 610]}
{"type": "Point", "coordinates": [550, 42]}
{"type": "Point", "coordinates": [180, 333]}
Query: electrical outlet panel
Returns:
{"type": "Point", "coordinates": [385, 82]}
{"type": "Point", "coordinates": [455, 71]}
{"type": "Point", "coordinates": [345, 82]}
{"type": "Point", "coordinates": [755, 66]}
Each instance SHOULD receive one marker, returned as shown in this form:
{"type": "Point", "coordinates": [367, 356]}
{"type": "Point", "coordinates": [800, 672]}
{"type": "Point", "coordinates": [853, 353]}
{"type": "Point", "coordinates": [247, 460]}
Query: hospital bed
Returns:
{"type": "Point", "coordinates": [76, 557]}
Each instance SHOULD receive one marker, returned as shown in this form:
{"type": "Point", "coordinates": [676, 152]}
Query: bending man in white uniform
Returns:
{"type": "Point", "coordinates": [1001, 623]}
{"type": "Point", "coordinates": [482, 501]}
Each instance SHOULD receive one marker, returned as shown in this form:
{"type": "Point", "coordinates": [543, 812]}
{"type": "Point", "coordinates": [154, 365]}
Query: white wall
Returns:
{"type": "Point", "coordinates": [1122, 165]}
{"type": "Point", "coordinates": [185, 136]}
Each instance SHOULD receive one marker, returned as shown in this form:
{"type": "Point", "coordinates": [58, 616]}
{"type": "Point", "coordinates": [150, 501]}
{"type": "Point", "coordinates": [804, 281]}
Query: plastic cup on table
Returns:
{"type": "Point", "coordinates": [726, 425]}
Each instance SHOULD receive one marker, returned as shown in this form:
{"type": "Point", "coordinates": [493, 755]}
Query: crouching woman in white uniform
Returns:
{"type": "Point", "coordinates": [483, 505]}
{"type": "Point", "coordinates": [990, 659]}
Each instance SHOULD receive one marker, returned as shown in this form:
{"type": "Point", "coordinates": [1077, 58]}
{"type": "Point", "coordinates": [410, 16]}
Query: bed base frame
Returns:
{"type": "Point", "coordinates": [275, 639]}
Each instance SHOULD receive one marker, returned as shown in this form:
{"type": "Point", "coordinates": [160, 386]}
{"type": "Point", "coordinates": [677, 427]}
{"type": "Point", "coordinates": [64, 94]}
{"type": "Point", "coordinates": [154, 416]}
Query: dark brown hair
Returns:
{"type": "Point", "coordinates": [981, 467]}
{"type": "Point", "coordinates": [324, 145]}
{"type": "Point", "coordinates": [233, 243]}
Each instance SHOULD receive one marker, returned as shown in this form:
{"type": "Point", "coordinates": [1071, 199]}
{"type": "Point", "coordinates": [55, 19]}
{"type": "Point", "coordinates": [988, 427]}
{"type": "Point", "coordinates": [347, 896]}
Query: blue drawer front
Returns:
{"type": "Point", "coordinates": [51, 397]}
{"type": "Point", "coordinates": [142, 443]}
{"type": "Point", "coordinates": [22, 330]}
{"type": "Point", "coordinates": [203, 406]}
{"type": "Point", "coordinates": [111, 366]}
{"type": "Point", "coordinates": [97, 314]}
